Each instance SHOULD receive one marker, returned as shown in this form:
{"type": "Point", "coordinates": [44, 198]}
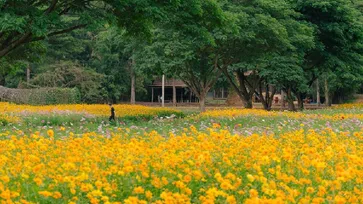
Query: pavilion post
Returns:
{"type": "Point", "coordinates": [152, 94]}
{"type": "Point", "coordinates": [174, 93]}
{"type": "Point", "coordinates": [317, 92]}
{"type": "Point", "coordinates": [163, 91]}
{"type": "Point", "coordinates": [28, 75]}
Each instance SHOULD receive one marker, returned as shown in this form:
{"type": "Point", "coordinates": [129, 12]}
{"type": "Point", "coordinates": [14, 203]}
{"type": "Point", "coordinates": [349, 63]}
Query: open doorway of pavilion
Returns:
{"type": "Point", "coordinates": [183, 93]}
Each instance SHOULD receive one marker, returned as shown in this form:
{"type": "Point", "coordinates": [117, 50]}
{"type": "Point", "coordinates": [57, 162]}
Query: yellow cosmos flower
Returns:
{"type": "Point", "coordinates": [6, 194]}
{"type": "Point", "coordinates": [50, 133]}
{"type": "Point", "coordinates": [231, 200]}
{"type": "Point", "coordinates": [226, 185]}
{"type": "Point", "coordinates": [253, 193]}
{"type": "Point", "coordinates": [310, 190]}
{"type": "Point", "coordinates": [148, 195]}
{"type": "Point", "coordinates": [57, 195]}
{"type": "Point", "coordinates": [38, 181]}
{"type": "Point", "coordinates": [45, 193]}
{"type": "Point", "coordinates": [139, 190]}
{"type": "Point", "coordinates": [250, 178]}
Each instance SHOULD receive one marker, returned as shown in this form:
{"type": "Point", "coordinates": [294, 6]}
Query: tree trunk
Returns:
{"type": "Point", "coordinates": [174, 93]}
{"type": "Point", "coordinates": [282, 99]}
{"type": "Point", "coordinates": [300, 101]}
{"type": "Point", "coordinates": [270, 101]}
{"type": "Point", "coordinates": [202, 103]}
{"type": "Point", "coordinates": [266, 106]}
{"type": "Point", "coordinates": [243, 88]}
{"type": "Point", "coordinates": [201, 93]}
{"type": "Point", "coordinates": [268, 98]}
{"type": "Point", "coordinates": [327, 95]}
{"type": "Point", "coordinates": [318, 92]}
{"type": "Point", "coordinates": [340, 98]}
{"type": "Point", "coordinates": [27, 75]}
{"type": "Point", "coordinates": [133, 79]}
{"type": "Point", "coordinates": [2, 81]}
{"type": "Point", "coordinates": [331, 96]}
{"type": "Point", "coordinates": [290, 100]}
{"type": "Point", "coordinates": [248, 103]}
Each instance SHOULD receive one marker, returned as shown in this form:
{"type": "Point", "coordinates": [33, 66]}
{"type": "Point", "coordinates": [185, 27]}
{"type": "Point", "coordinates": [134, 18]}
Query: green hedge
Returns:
{"type": "Point", "coordinates": [54, 96]}
{"type": "Point", "coordinates": [40, 96]}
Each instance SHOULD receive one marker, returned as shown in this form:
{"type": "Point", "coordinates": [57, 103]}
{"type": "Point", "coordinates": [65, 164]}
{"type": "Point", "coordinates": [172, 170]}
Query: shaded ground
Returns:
{"type": "Point", "coordinates": [359, 98]}
{"type": "Point", "coordinates": [195, 106]}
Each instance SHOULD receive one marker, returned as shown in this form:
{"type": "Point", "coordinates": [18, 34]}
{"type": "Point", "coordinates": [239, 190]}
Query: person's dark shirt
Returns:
{"type": "Point", "coordinates": [112, 111]}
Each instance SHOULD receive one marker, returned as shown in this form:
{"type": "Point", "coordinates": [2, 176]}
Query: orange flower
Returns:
{"type": "Point", "coordinates": [253, 193]}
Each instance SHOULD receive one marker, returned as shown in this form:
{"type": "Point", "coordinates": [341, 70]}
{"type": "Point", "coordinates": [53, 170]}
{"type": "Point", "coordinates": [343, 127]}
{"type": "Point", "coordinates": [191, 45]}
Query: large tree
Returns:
{"type": "Point", "coordinates": [115, 56]}
{"type": "Point", "coordinates": [66, 62]}
{"type": "Point", "coordinates": [188, 53]}
{"type": "Point", "coordinates": [23, 21]}
{"type": "Point", "coordinates": [184, 57]}
{"type": "Point", "coordinates": [13, 66]}
{"type": "Point", "coordinates": [266, 29]}
{"type": "Point", "coordinates": [339, 39]}
{"type": "Point", "coordinates": [282, 72]}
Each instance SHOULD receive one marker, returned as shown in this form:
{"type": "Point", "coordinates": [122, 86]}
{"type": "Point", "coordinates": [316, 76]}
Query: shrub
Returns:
{"type": "Point", "coordinates": [40, 96]}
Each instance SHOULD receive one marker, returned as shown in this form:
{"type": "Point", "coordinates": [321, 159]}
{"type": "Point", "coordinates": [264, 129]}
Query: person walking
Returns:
{"type": "Point", "coordinates": [112, 117]}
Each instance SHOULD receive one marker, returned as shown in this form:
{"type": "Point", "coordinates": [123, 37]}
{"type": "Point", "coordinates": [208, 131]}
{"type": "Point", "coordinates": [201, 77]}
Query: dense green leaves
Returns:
{"type": "Point", "coordinates": [24, 21]}
{"type": "Point", "coordinates": [339, 38]}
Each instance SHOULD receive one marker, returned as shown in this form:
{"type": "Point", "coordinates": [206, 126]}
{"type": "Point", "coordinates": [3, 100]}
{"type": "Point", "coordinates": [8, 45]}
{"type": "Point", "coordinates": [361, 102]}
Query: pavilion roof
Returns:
{"type": "Point", "coordinates": [168, 83]}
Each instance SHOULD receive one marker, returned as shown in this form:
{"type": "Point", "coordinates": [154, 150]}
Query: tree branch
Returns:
{"type": "Point", "coordinates": [314, 78]}
{"type": "Point", "coordinates": [225, 72]}
{"type": "Point", "coordinates": [213, 80]}
{"type": "Point", "coordinates": [51, 7]}
{"type": "Point", "coordinates": [27, 38]}
{"type": "Point", "coordinates": [193, 81]}
{"type": "Point", "coordinates": [261, 95]}
{"type": "Point", "coordinates": [15, 44]}
{"type": "Point", "coordinates": [272, 95]}
{"type": "Point", "coordinates": [64, 11]}
{"type": "Point", "coordinates": [193, 89]}
{"type": "Point", "coordinates": [4, 6]}
{"type": "Point", "coordinates": [58, 32]}
{"type": "Point", "coordinates": [241, 79]}
{"type": "Point", "coordinates": [8, 40]}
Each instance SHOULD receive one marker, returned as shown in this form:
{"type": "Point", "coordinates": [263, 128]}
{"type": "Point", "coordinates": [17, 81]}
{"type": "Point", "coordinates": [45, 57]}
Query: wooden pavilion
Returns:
{"type": "Point", "coordinates": [182, 91]}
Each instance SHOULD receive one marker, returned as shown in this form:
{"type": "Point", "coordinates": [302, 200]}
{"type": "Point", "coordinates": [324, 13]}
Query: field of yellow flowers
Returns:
{"type": "Point", "coordinates": [221, 156]}
{"type": "Point", "coordinates": [97, 110]}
